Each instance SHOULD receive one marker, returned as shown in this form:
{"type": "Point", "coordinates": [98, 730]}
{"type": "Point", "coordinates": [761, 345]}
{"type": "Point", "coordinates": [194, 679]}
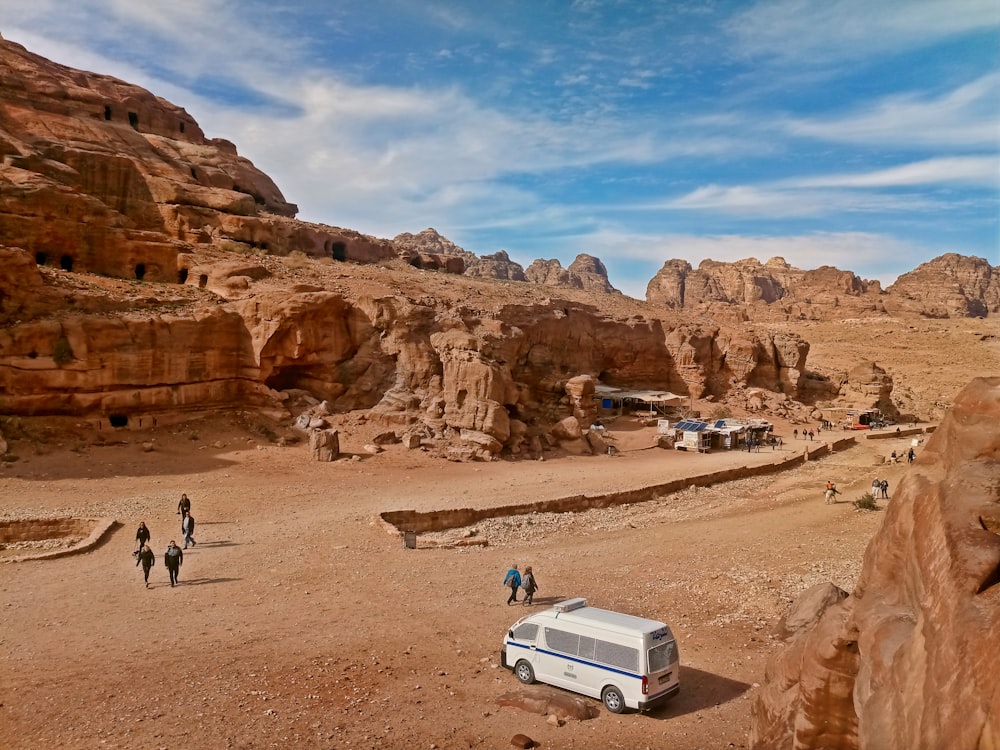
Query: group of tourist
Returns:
{"type": "Point", "coordinates": [173, 557]}
{"type": "Point", "coordinates": [880, 489]}
{"type": "Point", "coordinates": [514, 580]}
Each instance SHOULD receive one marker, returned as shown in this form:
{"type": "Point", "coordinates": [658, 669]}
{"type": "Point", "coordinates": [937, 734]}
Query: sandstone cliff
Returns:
{"type": "Point", "coordinates": [949, 286]}
{"type": "Point", "coordinates": [100, 175]}
{"type": "Point", "coordinates": [909, 659]}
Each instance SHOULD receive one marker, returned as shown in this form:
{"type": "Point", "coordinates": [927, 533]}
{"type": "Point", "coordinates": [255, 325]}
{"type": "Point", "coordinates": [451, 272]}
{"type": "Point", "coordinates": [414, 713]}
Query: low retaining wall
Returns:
{"type": "Point", "coordinates": [440, 520]}
{"type": "Point", "coordinates": [902, 433]}
{"type": "Point", "coordinates": [38, 529]}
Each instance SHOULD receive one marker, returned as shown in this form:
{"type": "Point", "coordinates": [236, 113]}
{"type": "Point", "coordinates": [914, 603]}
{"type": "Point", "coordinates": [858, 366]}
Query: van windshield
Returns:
{"type": "Point", "coordinates": [662, 656]}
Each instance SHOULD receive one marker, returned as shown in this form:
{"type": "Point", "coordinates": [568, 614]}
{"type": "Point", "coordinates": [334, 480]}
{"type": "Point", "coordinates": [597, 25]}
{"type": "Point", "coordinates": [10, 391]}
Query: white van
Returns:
{"type": "Point", "coordinates": [626, 661]}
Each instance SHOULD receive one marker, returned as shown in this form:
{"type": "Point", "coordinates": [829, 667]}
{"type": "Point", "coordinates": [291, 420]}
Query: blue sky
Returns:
{"type": "Point", "coordinates": [863, 134]}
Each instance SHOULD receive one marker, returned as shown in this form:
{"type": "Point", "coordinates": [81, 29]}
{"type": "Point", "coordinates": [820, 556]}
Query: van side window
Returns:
{"type": "Point", "coordinates": [527, 631]}
{"type": "Point", "coordinates": [623, 657]}
{"type": "Point", "coordinates": [560, 640]}
{"type": "Point", "coordinates": [604, 652]}
{"type": "Point", "coordinates": [660, 657]}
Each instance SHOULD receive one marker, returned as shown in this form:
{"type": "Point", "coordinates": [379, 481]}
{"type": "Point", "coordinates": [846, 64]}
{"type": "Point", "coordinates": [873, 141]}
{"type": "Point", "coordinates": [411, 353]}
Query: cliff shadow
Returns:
{"type": "Point", "coordinates": [700, 690]}
{"type": "Point", "coordinates": [99, 460]}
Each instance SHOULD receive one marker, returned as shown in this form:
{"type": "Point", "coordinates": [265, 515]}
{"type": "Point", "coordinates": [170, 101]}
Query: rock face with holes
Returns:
{"type": "Point", "coordinates": [101, 175]}
{"type": "Point", "coordinates": [909, 659]}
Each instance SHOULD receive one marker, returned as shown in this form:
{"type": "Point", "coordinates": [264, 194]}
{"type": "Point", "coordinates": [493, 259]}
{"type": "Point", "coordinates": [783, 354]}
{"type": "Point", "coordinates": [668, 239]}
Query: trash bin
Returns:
{"type": "Point", "coordinates": [410, 539]}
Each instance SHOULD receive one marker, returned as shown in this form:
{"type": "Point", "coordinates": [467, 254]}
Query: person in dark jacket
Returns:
{"type": "Point", "coordinates": [187, 528]}
{"type": "Point", "coordinates": [147, 559]}
{"type": "Point", "coordinates": [142, 536]}
{"type": "Point", "coordinates": [184, 506]}
{"type": "Point", "coordinates": [173, 558]}
{"type": "Point", "coordinates": [529, 584]}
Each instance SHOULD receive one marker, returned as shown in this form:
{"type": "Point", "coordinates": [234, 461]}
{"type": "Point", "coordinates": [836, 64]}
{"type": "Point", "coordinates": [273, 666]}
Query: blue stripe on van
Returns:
{"type": "Point", "coordinates": [578, 660]}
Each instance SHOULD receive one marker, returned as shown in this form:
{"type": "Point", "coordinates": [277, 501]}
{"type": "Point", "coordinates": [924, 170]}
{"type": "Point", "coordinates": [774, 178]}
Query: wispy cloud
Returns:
{"type": "Point", "coordinates": [804, 33]}
{"type": "Point", "coordinates": [966, 117]}
{"type": "Point", "coordinates": [983, 171]}
{"type": "Point", "coordinates": [771, 202]}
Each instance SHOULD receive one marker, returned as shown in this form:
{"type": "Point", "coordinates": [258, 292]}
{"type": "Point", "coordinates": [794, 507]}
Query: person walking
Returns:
{"type": "Point", "coordinates": [876, 487]}
{"type": "Point", "coordinates": [147, 559]}
{"type": "Point", "coordinates": [831, 492]}
{"type": "Point", "coordinates": [884, 486]}
{"type": "Point", "coordinates": [795, 433]}
{"type": "Point", "coordinates": [512, 579]}
{"type": "Point", "coordinates": [142, 536]}
{"type": "Point", "coordinates": [529, 584]}
{"type": "Point", "coordinates": [187, 528]}
{"type": "Point", "coordinates": [183, 506]}
{"type": "Point", "coordinates": [173, 558]}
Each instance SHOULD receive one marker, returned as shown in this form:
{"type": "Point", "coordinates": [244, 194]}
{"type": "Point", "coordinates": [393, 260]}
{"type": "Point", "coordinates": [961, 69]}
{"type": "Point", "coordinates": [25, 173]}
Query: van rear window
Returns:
{"type": "Point", "coordinates": [662, 656]}
{"type": "Point", "coordinates": [593, 649]}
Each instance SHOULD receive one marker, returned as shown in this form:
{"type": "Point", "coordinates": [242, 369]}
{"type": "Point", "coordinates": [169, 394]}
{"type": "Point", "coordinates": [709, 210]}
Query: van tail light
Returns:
{"type": "Point", "coordinates": [645, 685]}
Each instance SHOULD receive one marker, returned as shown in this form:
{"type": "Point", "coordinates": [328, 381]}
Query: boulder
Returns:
{"type": "Point", "coordinates": [567, 429]}
{"type": "Point", "coordinates": [324, 445]}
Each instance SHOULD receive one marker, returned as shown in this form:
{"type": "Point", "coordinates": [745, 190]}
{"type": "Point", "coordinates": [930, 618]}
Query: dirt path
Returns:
{"type": "Point", "coordinates": [300, 622]}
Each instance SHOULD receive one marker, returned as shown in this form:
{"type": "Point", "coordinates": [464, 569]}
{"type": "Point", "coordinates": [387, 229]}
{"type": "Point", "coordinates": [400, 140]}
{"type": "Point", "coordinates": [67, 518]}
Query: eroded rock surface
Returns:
{"type": "Point", "coordinates": [909, 659]}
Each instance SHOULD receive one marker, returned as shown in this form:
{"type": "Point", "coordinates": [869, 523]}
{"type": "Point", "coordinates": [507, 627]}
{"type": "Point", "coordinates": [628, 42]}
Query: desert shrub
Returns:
{"type": "Point", "coordinates": [234, 246]}
{"type": "Point", "coordinates": [721, 412]}
{"type": "Point", "coordinates": [62, 352]}
{"type": "Point", "coordinates": [297, 259]}
{"type": "Point", "coordinates": [866, 502]}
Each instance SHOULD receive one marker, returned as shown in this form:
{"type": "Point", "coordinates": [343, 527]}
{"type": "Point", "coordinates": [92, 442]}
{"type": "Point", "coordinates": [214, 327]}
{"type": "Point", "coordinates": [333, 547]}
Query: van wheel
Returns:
{"type": "Point", "coordinates": [613, 699]}
{"type": "Point", "coordinates": [524, 672]}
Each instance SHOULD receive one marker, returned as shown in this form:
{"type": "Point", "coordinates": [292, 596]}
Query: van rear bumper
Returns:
{"type": "Point", "coordinates": [660, 699]}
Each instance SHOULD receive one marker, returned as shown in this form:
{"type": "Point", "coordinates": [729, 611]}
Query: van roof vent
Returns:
{"type": "Point", "coordinates": [569, 605]}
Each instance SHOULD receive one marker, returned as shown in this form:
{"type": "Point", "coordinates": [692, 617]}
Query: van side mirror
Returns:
{"type": "Point", "coordinates": [510, 633]}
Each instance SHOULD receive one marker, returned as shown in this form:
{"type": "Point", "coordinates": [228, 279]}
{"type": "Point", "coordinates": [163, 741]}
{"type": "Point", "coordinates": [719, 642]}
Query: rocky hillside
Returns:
{"type": "Point", "coordinates": [879, 667]}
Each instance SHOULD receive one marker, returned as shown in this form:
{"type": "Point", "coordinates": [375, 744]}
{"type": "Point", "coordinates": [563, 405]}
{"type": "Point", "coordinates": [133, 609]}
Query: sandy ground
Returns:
{"type": "Point", "coordinates": [300, 622]}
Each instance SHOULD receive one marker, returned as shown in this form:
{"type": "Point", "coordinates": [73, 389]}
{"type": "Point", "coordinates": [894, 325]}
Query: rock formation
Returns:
{"type": "Point", "coordinates": [496, 266]}
{"type": "Point", "coordinates": [585, 272]}
{"type": "Point", "coordinates": [747, 290]}
{"type": "Point", "coordinates": [949, 286]}
{"type": "Point", "coordinates": [909, 659]}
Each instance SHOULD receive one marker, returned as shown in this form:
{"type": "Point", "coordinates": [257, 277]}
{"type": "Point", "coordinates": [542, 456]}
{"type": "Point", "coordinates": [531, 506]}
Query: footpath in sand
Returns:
{"type": "Point", "coordinates": [300, 622]}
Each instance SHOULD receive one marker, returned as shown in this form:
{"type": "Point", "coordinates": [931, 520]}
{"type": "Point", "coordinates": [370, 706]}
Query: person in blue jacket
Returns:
{"type": "Point", "coordinates": [512, 579]}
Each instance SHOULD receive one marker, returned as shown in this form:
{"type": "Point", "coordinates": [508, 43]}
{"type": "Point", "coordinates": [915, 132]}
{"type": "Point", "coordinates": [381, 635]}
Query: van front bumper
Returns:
{"type": "Point", "coordinates": [503, 659]}
{"type": "Point", "coordinates": [660, 699]}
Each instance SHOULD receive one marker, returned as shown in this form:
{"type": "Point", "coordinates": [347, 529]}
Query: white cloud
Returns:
{"type": "Point", "coordinates": [771, 201]}
{"type": "Point", "coordinates": [966, 117]}
{"type": "Point", "coordinates": [981, 171]}
{"type": "Point", "coordinates": [803, 32]}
